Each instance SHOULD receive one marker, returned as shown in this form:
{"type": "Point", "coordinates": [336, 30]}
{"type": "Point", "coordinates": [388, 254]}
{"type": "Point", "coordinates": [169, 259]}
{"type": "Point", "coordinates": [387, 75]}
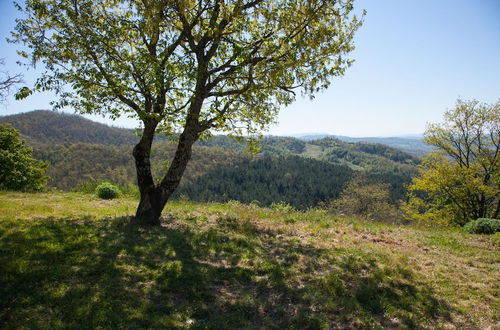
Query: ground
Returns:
{"type": "Point", "coordinates": [71, 260]}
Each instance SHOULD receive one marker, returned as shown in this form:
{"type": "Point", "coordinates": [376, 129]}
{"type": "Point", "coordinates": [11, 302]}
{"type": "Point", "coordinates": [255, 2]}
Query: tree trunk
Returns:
{"type": "Point", "coordinates": [150, 208]}
{"type": "Point", "coordinates": [155, 196]}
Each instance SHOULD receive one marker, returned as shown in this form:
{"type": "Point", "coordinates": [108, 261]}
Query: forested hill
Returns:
{"type": "Point", "coordinates": [49, 127]}
{"type": "Point", "coordinates": [302, 173]}
{"type": "Point", "coordinates": [414, 145]}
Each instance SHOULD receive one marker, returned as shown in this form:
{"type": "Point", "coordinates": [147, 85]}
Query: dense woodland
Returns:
{"type": "Point", "coordinates": [298, 172]}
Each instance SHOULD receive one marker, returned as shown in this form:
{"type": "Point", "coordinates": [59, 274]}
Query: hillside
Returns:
{"type": "Point", "coordinates": [49, 127]}
{"type": "Point", "coordinates": [301, 173]}
{"type": "Point", "coordinates": [413, 145]}
{"type": "Point", "coordinates": [69, 260]}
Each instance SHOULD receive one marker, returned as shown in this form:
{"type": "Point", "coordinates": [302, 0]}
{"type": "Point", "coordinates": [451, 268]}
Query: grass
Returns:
{"type": "Point", "coordinates": [73, 261]}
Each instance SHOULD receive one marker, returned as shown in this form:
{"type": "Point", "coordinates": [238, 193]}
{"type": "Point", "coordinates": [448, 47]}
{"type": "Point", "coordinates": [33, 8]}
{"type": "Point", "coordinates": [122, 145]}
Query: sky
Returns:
{"type": "Point", "coordinates": [413, 60]}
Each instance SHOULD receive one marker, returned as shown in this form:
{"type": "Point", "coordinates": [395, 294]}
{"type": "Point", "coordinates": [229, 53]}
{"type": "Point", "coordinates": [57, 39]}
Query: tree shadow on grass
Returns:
{"type": "Point", "coordinates": [57, 273]}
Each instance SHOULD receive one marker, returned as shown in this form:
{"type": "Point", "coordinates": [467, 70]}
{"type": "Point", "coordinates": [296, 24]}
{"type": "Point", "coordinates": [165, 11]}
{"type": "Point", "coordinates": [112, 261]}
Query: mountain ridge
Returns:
{"type": "Point", "coordinates": [302, 173]}
{"type": "Point", "coordinates": [74, 128]}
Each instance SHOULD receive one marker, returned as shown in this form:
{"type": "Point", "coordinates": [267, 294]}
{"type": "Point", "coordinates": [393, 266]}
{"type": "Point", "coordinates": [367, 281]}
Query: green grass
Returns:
{"type": "Point", "coordinates": [73, 261]}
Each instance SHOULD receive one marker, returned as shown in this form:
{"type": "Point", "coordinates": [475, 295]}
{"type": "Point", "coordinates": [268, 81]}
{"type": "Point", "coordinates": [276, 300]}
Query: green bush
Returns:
{"type": "Point", "coordinates": [18, 169]}
{"type": "Point", "coordinates": [282, 207]}
{"type": "Point", "coordinates": [367, 200]}
{"type": "Point", "coordinates": [483, 226]}
{"type": "Point", "coordinates": [107, 190]}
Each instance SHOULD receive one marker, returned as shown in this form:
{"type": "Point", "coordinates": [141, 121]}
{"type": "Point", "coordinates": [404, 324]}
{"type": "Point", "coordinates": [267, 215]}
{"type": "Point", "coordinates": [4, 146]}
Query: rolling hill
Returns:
{"type": "Point", "coordinates": [413, 144]}
{"type": "Point", "coordinates": [49, 127]}
{"type": "Point", "coordinates": [302, 173]}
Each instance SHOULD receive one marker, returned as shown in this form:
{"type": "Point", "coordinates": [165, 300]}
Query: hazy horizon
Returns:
{"type": "Point", "coordinates": [295, 135]}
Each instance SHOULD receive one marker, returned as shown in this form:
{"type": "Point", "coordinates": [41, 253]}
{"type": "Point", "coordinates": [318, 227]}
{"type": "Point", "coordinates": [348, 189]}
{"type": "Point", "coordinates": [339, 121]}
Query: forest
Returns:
{"type": "Point", "coordinates": [300, 173]}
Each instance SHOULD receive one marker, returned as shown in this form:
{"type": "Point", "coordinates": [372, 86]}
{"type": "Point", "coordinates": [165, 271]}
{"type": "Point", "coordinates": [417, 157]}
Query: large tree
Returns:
{"type": "Point", "coordinates": [460, 180]}
{"type": "Point", "coordinates": [185, 66]}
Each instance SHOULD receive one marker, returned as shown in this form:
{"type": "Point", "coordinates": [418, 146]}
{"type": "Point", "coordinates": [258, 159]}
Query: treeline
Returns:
{"type": "Point", "coordinates": [216, 174]}
{"type": "Point", "coordinates": [301, 173]}
{"type": "Point", "coordinates": [294, 180]}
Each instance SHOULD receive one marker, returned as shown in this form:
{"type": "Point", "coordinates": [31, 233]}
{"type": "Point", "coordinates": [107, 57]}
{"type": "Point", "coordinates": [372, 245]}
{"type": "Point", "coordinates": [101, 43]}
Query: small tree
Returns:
{"type": "Point", "coordinates": [18, 169]}
{"type": "Point", "coordinates": [367, 200]}
{"type": "Point", "coordinates": [186, 66]}
{"type": "Point", "coordinates": [460, 180]}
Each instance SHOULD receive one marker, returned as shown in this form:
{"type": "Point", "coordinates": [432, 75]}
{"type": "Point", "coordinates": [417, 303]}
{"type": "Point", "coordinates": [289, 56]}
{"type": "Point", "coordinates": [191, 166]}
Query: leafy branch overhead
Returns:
{"type": "Point", "coordinates": [185, 66]}
{"type": "Point", "coordinates": [221, 64]}
{"type": "Point", "coordinates": [7, 82]}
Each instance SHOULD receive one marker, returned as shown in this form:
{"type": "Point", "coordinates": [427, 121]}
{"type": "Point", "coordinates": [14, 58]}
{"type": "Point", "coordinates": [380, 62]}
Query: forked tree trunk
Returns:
{"type": "Point", "coordinates": [155, 196]}
{"type": "Point", "coordinates": [150, 207]}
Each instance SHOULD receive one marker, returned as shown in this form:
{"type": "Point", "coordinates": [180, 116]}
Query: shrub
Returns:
{"type": "Point", "coordinates": [107, 190]}
{"type": "Point", "coordinates": [18, 169]}
{"type": "Point", "coordinates": [367, 200]}
{"type": "Point", "coordinates": [282, 207]}
{"type": "Point", "coordinates": [483, 226]}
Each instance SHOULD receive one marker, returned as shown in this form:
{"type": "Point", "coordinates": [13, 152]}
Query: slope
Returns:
{"type": "Point", "coordinates": [69, 260]}
{"type": "Point", "coordinates": [49, 127]}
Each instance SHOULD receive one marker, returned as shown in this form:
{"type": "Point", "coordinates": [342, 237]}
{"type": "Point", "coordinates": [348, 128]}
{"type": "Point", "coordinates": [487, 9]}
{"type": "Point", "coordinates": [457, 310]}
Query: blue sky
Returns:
{"type": "Point", "coordinates": [413, 60]}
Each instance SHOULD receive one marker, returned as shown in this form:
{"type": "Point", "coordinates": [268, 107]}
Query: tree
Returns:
{"type": "Point", "coordinates": [7, 82]}
{"type": "Point", "coordinates": [368, 200]}
{"type": "Point", "coordinates": [460, 180]}
{"type": "Point", "coordinates": [185, 66]}
{"type": "Point", "coordinates": [18, 169]}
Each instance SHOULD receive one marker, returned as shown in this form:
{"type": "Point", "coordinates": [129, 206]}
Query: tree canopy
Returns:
{"type": "Point", "coordinates": [150, 58]}
{"type": "Point", "coordinates": [460, 180]}
{"type": "Point", "coordinates": [185, 66]}
{"type": "Point", "coordinates": [18, 169]}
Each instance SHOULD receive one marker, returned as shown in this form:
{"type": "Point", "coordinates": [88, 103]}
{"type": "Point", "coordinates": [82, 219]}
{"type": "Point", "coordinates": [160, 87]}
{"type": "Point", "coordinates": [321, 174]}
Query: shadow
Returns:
{"type": "Point", "coordinates": [57, 273]}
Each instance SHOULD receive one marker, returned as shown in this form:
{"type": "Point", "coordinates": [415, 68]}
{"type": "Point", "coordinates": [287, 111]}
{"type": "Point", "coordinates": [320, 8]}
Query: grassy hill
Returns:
{"type": "Point", "coordinates": [70, 261]}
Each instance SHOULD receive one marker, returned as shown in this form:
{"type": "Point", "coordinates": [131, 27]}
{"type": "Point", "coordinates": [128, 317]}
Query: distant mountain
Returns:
{"type": "Point", "coordinates": [297, 171]}
{"type": "Point", "coordinates": [412, 143]}
{"type": "Point", "coordinates": [311, 136]}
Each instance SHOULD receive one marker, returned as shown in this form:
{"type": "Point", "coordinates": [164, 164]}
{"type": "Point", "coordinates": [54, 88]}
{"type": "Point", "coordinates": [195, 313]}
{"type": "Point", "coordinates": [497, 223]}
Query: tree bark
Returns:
{"type": "Point", "coordinates": [154, 197]}
{"type": "Point", "coordinates": [150, 207]}
{"type": "Point", "coordinates": [148, 212]}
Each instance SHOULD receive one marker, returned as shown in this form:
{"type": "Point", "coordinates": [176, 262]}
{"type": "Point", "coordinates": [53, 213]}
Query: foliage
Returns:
{"type": "Point", "coordinates": [460, 181]}
{"type": "Point", "coordinates": [282, 207]}
{"type": "Point", "coordinates": [151, 58]}
{"type": "Point", "coordinates": [89, 187]}
{"type": "Point", "coordinates": [107, 190]}
{"type": "Point", "coordinates": [367, 200]}
{"type": "Point", "coordinates": [293, 180]}
{"type": "Point", "coordinates": [185, 66]}
{"type": "Point", "coordinates": [50, 127]}
{"type": "Point", "coordinates": [483, 226]}
{"type": "Point", "coordinates": [18, 169]}
{"type": "Point", "coordinates": [106, 157]}
{"type": "Point", "coordinates": [7, 82]}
